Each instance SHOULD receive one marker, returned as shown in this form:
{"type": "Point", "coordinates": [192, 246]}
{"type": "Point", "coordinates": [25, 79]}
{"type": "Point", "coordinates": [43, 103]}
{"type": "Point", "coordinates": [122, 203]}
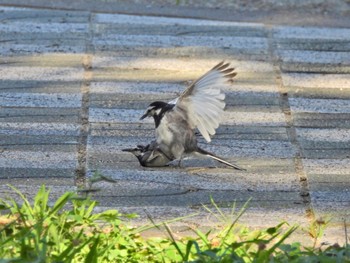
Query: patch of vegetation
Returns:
{"type": "Point", "coordinates": [70, 231]}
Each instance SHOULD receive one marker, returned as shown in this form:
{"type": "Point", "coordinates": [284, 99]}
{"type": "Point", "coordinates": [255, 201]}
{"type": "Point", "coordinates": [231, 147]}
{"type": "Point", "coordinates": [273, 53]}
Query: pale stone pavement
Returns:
{"type": "Point", "coordinates": [75, 83]}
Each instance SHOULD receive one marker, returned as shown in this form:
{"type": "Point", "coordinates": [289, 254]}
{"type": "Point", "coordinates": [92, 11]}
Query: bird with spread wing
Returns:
{"type": "Point", "coordinates": [200, 107]}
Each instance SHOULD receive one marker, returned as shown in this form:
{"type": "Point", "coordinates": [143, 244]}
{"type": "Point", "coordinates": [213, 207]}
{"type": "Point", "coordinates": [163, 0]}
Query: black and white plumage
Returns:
{"type": "Point", "coordinates": [149, 155]}
{"type": "Point", "coordinates": [200, 106]}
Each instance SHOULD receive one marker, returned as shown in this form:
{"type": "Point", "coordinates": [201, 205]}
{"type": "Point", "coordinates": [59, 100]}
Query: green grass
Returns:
{"type": "Point", "coordinates": [70, 231]}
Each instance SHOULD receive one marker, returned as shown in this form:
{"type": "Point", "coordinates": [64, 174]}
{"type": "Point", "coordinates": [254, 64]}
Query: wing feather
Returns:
{"type": "Point", "coordinates": [203, 101]}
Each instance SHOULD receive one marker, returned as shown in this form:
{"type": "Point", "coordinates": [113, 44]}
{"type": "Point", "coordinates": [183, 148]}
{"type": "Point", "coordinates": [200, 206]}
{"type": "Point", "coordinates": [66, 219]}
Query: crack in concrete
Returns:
{"type": "Point", "coordinates": [151, 195]}
{"type": "Point", "coordinates": [157, 182]}
{"type": "Point", "coordinates": [290, 127]}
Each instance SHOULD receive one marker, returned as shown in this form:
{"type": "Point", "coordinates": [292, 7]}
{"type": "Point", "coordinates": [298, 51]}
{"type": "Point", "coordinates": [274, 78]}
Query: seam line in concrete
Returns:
{"type": "Point", "coordinates": [80, 172]}
{"type": "Point", "coordinates": [290, 128]}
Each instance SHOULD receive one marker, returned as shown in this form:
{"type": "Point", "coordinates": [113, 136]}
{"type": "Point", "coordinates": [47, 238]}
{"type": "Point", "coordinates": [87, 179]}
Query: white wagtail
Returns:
{"type": "Point", "coordinates": [150, 155]}
{"type": "Point", "coordinates": [201, 107]}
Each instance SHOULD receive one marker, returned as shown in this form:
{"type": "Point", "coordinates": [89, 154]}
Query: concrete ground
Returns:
{"type": "Point", "coordinates": [75, 82]}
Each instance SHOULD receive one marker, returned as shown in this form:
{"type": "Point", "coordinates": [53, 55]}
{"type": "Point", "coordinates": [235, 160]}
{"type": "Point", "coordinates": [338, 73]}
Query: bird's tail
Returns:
{"type": "Point", "coordinates": [213, 156]}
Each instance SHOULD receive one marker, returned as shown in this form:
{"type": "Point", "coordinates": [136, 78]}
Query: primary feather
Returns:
{"type": "Point", "coordinates": [204, 102]}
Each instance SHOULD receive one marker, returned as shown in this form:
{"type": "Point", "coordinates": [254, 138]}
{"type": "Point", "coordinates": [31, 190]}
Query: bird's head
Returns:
{"type": "Point", "coordinates": [154, 109]}
{"type": "Point", "coordinates": [135, 151]}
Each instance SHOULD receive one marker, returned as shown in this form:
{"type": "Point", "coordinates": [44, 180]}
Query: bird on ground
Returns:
{"type": "Point", "coordinates": [200, 107]}
{"type": "Point", "coordinates": [149, 155]}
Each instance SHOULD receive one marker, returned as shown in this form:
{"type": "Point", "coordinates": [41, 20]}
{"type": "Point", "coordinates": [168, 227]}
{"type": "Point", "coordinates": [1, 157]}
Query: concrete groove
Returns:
{"type": "Point", "coordinates": [291, 130]}
{"type": "Point", "coordinates": [81, 170]}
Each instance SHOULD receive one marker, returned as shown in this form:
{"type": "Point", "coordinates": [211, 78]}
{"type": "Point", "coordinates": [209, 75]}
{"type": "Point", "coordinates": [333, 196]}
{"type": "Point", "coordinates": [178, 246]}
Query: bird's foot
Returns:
{"type": "Point", "coordinates": [175, 163]}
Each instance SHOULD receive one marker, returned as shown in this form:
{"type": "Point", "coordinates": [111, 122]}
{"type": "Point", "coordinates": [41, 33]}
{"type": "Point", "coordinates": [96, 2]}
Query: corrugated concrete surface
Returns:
{"type": "Point", "coordinates": [74, 85]}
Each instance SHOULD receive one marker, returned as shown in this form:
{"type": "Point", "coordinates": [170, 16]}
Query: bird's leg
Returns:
{"type": "Point", "coordinates": [180, 161]}
{"type": "Point", "coordinates": [174, 163]}
{"type": "Point", "coordinates": [182, 157]}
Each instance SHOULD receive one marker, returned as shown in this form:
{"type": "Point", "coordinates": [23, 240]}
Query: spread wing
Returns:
{"type": "Point", "coordinates": [203, 102]}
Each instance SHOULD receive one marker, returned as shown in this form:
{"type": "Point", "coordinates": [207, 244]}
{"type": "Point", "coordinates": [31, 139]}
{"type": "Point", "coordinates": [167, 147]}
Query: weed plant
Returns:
{"type": "Point", "coordinates": [70, 231]}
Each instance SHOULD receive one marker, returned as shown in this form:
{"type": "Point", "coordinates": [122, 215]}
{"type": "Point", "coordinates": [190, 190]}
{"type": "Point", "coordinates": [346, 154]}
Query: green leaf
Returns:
{"type": "Point", "coordinates": [26, 205]}
{"type": "Point", "coordinates": [60, 203]}
{"type": "Point", "coordinates": [3, 206]}
{"type": "Point", "coordinates": [202, 236]}
{"type": "Point", "coordinates": [189, 245]}
{"type": "Point", "coordinates": [271, 230]}
{"type": "Point", "coordinates": [174, 241]}
{"type": "Point", "coordinates": [92, 256]}
{"type": "Point", "coordinates": [40, 201]}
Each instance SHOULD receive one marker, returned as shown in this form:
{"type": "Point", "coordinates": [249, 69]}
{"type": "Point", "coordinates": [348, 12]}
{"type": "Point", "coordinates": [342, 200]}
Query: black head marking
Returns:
{"type": "Point", "coordinates": [158, 105]}
{"type": "Point", "coordinates": [157, 110]}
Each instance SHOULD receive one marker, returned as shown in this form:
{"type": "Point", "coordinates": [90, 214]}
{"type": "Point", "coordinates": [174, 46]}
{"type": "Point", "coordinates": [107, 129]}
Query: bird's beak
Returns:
{"type": "Point", "coordinates": [144, 116]}
{"type": "Point", "coordinates": [134, 151]}
{"type": "Point", "coordinates": [128, 150]}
